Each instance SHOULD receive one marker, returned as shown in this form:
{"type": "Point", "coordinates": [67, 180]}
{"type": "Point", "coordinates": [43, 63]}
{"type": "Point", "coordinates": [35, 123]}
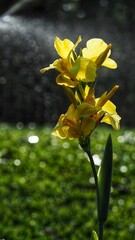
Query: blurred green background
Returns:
{"type": "Point", "coordinates": [47, 190]}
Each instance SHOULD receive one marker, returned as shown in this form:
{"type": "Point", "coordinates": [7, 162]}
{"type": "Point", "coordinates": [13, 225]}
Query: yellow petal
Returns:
{"type": "Point", "coordinates": [70, 114]}
{"type": "Point", "coordinates": [109, 107]}
{"type": "Point", "coordinates": [63, 47]}
{"type": "Point", "coordinates": [60, 130]}
{"type": "Point", "coordinates": [66, 81]}
{"type": "Point", "coordinates": [94, 48]}
{"type": "Point", "coordinates": [109, 63]}
{"type": "Point", "coordinates": [51, 66]}
{"type": "Point", "coordinates": [111, 117]}
{"type": "Point", "coordinates": [84, 70]}
{"type": "Point", "coordinates": [55, 65]}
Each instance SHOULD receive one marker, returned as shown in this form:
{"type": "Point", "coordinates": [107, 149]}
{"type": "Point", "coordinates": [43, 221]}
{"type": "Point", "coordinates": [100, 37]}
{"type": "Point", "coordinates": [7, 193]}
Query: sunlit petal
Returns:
{"type": "Point", "coordinates": [84, 70]}
{"type": "Point", "coordinates": [94, 48]}
{"type": "Point", "coordinates": [112, 119]}
{"type": "Point", "coordinates": [109, 107]}
{"type": "Point", "coordinates": [109, 63]}
{"type": "Point", "coordinates": [63, 47]}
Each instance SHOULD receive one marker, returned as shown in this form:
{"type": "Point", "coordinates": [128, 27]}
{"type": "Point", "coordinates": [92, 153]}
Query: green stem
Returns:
{"type": "Point", "coordinates": [86, 147]}
{"type": "Point", "coordinates": [94, 173]}
{"type": "Point", "coordinates": [101, 224]}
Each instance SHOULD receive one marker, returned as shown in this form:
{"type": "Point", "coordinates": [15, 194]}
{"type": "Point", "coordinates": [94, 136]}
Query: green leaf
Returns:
{"type": "Point", "coordinates": [94, 235]}
{"type": "Point", "coordinates": [104, 181]}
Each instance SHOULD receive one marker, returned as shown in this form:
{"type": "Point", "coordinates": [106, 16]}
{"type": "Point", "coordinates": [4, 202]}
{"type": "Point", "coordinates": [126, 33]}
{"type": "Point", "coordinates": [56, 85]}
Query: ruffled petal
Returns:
{"type": "Point", "coordinates": [60, 130]}
{"type": "Point", "coordinates": [111, 117]}
{"type": "Point", "coordinates": [94, 48]}
{"type": "Point", "coordinates": [63, 47]}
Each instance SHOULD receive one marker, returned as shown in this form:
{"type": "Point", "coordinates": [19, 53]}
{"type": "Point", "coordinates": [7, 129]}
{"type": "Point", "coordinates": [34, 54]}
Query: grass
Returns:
{"type": "Point", "coordinates": [47, 190]}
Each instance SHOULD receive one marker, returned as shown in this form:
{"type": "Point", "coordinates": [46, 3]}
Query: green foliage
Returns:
{"type": "Point", "coordinates": [47, 190]}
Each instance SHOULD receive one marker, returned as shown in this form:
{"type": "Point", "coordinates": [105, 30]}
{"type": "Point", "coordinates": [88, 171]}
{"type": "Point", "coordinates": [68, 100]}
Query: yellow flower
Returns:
{"type": "Point", "coordinates": [72, 68]}
{"type": "Point", "coordinates": [108, 112]}
{"type": "Point", "coordinates": [81, 120]}
{"type": "Point", "coordinates": [111, 117]}
{"type": "Point", "coordinates": [77, 122]}
{"type": "Point", "coordinates": [98, 51]}
{"type": "Point", "coordinates": [66, 50]}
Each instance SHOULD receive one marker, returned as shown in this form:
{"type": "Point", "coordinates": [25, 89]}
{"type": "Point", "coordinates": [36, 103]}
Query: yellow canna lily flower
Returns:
{"type": "Point", "coordinates": [66, 50]}
{"type": "Point", "coordinates": [77, 122]}
{"type": "Point", "coordinates": [107, 112]}
{"type": "Point", "coordinates": [80, 120]}
{"type": "Point", "coordinates": [98, 51]}
{"type": "Point", "coordinates": [72, 68]}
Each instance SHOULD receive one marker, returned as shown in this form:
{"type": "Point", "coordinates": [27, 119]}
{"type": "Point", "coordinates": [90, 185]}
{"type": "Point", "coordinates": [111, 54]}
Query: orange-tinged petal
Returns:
{"type": "Point", "coordinates": [74, 132]}
{"type": "Point", "coordinates": [88, 124]}
{"type": "Point", "coordinates": [85, 110]}
{"type": "Point", "coordinates": [60, 130]}
{"type": "Point", "coordinates": [70, 115]}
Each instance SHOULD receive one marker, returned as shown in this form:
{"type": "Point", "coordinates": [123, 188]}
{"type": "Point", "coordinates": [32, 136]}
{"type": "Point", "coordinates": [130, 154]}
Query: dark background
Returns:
{"type": "Point", "coordinates": [28, 29]}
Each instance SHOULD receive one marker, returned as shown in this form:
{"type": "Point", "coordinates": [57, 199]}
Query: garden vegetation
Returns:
{"type": "Point", "coordinates": [47, 189]}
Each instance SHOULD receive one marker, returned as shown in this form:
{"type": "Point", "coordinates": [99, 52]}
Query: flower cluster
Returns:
{"type": "Point", "coordinates": [77, 75]}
